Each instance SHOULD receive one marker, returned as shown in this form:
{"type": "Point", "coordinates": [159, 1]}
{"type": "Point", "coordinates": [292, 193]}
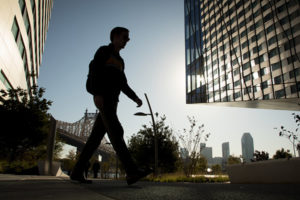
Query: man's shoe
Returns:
{"type": "Point", "coordinates": [80, 179]}
{"type": "Point", "coordinates": [141, 173]}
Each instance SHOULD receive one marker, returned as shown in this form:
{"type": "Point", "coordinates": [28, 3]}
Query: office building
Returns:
{"type": "Point", "coordinates": [207, 153]}
{"type": "Point", "coordinates": [247, 147]}
{"type": "Point", "coordinates": [225, 151]}
{"type": "Point", "coordinates": [23, 30]}
{"type": "Point", "coordinates": [243, 53]}
{"type": "Point", "coordinates": [184, 153]}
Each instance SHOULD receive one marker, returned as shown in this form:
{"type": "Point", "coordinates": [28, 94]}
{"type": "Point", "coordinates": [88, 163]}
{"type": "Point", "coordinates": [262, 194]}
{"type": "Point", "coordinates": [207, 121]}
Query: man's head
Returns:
{"type": "Point", "coordinates": [119, 36]}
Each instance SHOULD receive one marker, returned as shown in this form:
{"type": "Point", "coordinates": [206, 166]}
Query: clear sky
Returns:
{"type": "Point", "coordinates": [154, 64]}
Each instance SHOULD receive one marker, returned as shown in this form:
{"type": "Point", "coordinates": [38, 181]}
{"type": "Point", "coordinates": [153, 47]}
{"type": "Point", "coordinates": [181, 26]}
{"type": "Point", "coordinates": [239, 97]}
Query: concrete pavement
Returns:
{"type": "Point", "coordinates": [42, 187]}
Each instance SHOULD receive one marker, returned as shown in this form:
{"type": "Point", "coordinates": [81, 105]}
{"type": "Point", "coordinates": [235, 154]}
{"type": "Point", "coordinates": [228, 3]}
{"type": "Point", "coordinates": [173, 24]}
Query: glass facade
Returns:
{"type": "Point", "coordinates": [242, 50]}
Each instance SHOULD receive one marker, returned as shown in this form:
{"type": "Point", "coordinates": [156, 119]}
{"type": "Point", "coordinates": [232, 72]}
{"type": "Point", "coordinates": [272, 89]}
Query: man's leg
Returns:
{"type": "Point", "coordinates": [89, 148]}
{"type": "Point", "coordinates": [115, 133]}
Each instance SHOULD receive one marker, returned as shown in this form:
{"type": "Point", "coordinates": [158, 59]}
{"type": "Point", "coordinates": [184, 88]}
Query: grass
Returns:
{"type": "Point", "coordinates": [172, 178]}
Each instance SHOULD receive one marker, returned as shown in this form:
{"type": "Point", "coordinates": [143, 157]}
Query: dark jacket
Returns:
{"type": "Point", "coordinates": [106, 75]}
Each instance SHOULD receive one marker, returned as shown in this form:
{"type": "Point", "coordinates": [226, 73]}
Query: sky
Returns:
{"type": "Point", "coordinates": [154, 64]}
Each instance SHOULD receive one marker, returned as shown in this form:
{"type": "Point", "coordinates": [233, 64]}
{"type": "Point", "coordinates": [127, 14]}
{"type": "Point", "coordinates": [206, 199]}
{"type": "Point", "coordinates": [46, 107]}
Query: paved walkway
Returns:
{"type": "Point", "coordinates": [42, 187]}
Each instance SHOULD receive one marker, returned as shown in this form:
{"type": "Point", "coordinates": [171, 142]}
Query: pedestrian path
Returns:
{"type": "Point", "coordinates": [26, 187]}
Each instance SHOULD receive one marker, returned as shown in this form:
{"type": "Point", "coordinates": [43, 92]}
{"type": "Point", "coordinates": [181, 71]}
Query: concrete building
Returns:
{"type": "Point", "coordinates": [247, 147]}
{"type": "Point", "coordinates": [23, 30]}
{"type": "Point", "coordinates": [225, 150]}
{"type": "Point", "coordinates": [243, 53]}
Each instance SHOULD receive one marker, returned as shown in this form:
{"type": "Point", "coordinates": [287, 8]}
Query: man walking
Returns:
{"type": "Point", "coordinates": [106, 80]}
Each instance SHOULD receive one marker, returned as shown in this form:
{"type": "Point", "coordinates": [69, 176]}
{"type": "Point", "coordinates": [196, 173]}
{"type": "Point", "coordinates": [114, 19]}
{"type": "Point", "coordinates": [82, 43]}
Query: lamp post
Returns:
{"type": "Point", "coordinates": [155, 135]}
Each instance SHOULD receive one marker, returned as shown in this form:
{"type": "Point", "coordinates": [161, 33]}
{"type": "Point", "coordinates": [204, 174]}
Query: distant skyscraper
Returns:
{"type": "Point", "coordinates": [23, 30]}
{"type": "Point", "coordinates": [243, 53]}
{"type": "Point", "coordinates": [206, 152]}
{"type": "Point", "coordinates": [184, 153]}
{"type": "Point", "coordinates": [247, 147]}
{"type": "Point", "coordinates": [225, 151]}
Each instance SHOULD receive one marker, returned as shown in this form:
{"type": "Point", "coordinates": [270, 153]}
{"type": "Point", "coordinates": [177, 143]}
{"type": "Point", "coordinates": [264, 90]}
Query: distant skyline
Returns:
{"type": "Point", "coordinates": [154, 64]}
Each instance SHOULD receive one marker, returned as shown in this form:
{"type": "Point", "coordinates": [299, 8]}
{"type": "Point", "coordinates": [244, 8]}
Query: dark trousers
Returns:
{"type": "Point", "coordinates": [106, 122]}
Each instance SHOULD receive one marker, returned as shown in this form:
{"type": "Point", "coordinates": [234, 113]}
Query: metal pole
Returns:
{"type": "Point", "coordinates": [155, 139]}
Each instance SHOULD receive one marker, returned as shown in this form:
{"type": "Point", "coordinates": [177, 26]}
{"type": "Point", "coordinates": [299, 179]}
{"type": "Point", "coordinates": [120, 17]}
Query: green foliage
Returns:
{"type": "Point", "coordinates": [68, 163]}
{"type": "Point", "coordinates": [260, 156]}
{"type": "Point", "coordinates": [233, 160]}
{"type": "Point", "coordinates": [171, 178]}
{"type": "Point", "coordinates": [216, 169]}
{"type": "Point", "coordinates": [282, 154]}
{"type": "Point", "coordinates": [24, 127]}
{"type": "Point", "coordinates": [141, 146]}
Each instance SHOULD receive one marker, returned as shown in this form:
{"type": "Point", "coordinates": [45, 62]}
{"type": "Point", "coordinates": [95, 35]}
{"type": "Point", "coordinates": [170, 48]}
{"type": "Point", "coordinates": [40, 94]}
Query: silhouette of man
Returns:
{"type": "Point", "coordinates": [106, 79]}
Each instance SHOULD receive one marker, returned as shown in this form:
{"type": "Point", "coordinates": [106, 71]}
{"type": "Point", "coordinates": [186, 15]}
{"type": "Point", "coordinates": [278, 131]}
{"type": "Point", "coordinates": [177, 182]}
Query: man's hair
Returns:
{"type": "Point", "coordinates": [117, 31]}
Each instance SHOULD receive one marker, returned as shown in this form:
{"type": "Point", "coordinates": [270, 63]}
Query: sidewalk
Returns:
{"type": "Point", "coordinates": [15, 187]}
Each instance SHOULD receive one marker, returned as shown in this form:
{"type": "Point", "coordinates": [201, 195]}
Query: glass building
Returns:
{"type": "Point", "coordinates": [247, 147]}
{"type": "Point", "coordinates": [243, 53]}
{"type": "Point", "coordinates": [23, 30]}
{"type": "Point", "coordinates": [225, 151]}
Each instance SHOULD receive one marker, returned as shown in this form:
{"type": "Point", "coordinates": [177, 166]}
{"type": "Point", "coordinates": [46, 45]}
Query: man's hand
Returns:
{"type": "Point", "coordinates": [139, 102]}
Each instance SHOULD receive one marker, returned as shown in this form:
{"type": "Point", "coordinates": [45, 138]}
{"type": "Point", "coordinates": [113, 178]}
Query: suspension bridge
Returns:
{"type": "Point", "coordinates": [76, 134]}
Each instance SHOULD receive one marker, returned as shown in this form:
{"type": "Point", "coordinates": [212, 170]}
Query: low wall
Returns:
{"type": "Point", "coordinates": [270, 171]}
{"type": "Point", "coordinates": [56, 170]}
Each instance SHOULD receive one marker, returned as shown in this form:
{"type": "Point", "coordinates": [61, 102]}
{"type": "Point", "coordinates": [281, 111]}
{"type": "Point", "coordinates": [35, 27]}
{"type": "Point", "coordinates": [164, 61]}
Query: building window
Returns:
{"type": "Point", "coordinates": [21, 47]}
{"type": "Point", "coordinates": [15, 29]}
{"type": "Point", "coordinates": [294, 72]}
{"type": "Point", "coordinates": [279, 94]}
{"type": "Point", "coordinates": [244, 33]}
{"type": "Point", "coordinates": [278, 80]}
{"type": "Point", "coordinates": [244, 44]}
{"type": "Point", "coordinates": [237, 95]}
{"type": "Point", "coordinates": [275, 66]}
{"type": "Point", "coordinates": [272, 40]}
{"type": "Point", "coordinates": [237, 83]}
{"type": "Point", "coordinates": [247, 90]}
{"type": "Point", "coordinates": [259, 59]}
{"type": "Point", "coordinates": [246, 55]}
{"type": "Point", "coordinates": [22, 5]}
{"type": "Point", "coordinates": [266, 96]}
{"type": "Point", "coordinates": [257, 48]}
{"type": "Point", "coordinates": [26, 21]}
{"type": "Point", "coordinates": [246, 65]}
{"type": "Point", "coordinates": [270, 29]}
{"type": "Point", "coordinates": [273, 52]}
{"type": "Point", "coordinates": [294, 88]}
{"type": "Point", "coordinates": [247, 78]}
{"type": "Point", "coordinates": [264, 84]}
{"type": "Point", "coordinates": [5, 81]}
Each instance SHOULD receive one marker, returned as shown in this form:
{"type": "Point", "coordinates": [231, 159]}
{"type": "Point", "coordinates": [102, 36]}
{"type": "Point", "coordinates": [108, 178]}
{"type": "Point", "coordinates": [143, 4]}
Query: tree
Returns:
{"type": "Point", "coordinates": [216, 169]}
{"type": "Point", "coordinates": [24, 125]}
{"type": "Point", "coordinates": [292, 136]}
{"type": "Point", "coordinates": [260, 156]}
{"type": "Point", "coordinates": [141, 146]}
{"type": "Point", "coordinates": [233, 160]}
{"type": "Point", "coordinates": [282, 154]}
{"type": "Point", "coordinates": [190, 141]}
{"type": "Point", "coordinates": [69, 162]}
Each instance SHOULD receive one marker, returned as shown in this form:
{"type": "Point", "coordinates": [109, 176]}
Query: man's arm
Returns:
{"type": "Point", "coordinates": [130, 93]}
